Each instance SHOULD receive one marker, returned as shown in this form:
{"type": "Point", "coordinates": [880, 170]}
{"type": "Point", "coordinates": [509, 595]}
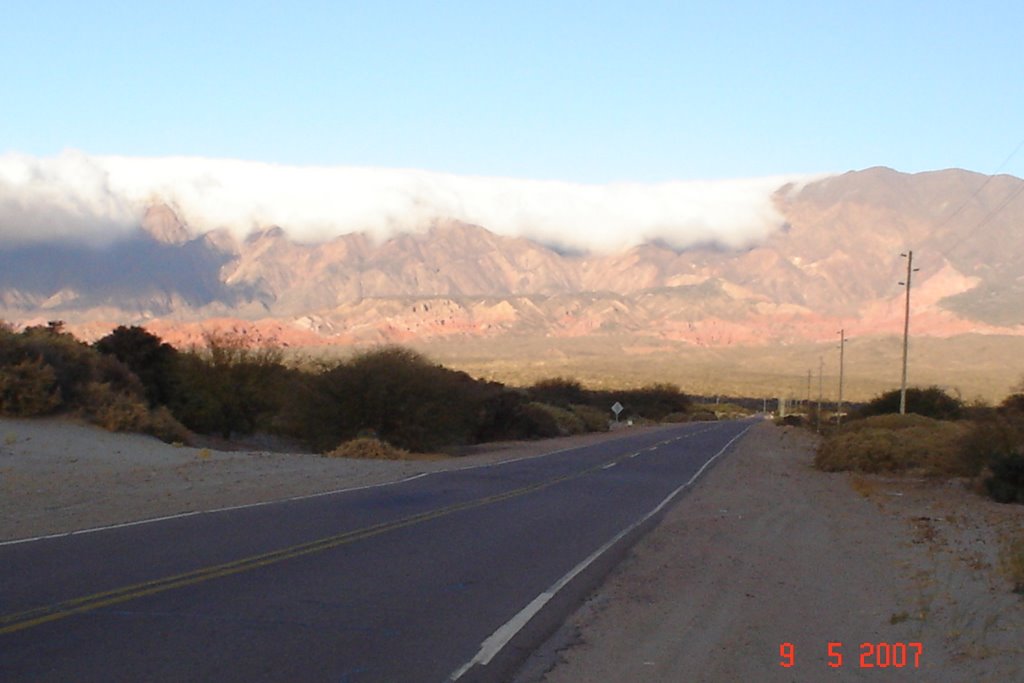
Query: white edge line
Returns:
{"type": "Point", "coordinates": [192, 513]}
{"type": "Point", "coordinates": [500, 638]}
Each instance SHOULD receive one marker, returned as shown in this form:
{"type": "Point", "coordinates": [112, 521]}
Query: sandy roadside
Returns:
{"type": "Point", "coordinates": [766, 550]}
{"type": "Point", "coordinates": [58, 475]}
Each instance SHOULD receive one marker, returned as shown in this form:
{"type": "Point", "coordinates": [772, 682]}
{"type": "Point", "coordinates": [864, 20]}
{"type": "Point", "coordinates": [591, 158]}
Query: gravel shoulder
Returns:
{"type": "Point", "coordinates": [766, 550]}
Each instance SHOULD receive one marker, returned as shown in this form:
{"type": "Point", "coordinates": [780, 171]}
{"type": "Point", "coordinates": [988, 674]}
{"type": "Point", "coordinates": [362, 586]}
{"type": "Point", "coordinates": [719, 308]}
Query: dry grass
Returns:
{"type": "Point", "coordinates": [865, 487]}
{"type": "Point", "coordinates": [117, 411]}
{"type": "Point", "coordinates": [896, 443]}
{"type": "Point", "coordinates": [375, 449]}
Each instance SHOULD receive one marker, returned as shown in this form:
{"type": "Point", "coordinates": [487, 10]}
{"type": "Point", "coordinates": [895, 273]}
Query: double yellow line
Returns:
{"type": "Point", "coordinates": [20, 621]}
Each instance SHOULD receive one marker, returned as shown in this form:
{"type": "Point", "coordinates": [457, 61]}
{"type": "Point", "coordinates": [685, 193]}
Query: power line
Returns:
{"type": "Point", "coordinates": [981, 187]}
{"type": "Point", "coordinates": [991, 214]}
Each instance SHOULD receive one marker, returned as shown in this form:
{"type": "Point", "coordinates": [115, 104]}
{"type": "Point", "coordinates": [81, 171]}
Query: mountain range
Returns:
{"type": "Point", "coordinates": [835, 262]}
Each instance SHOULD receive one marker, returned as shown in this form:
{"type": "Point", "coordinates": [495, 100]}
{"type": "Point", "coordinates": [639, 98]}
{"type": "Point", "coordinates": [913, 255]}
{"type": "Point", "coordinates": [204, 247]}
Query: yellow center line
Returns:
{"type": "Point", "coordinates": [19, 621]}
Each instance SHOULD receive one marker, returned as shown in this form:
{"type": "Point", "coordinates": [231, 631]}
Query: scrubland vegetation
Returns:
{"type": "Point", "coordinates": [391, 399]}
{"type": "Point", "coordinates": [938, 437]}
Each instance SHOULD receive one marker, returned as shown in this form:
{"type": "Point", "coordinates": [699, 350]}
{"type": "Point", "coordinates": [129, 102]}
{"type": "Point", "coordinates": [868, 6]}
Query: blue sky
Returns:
{"type": "Point", "coordinates": [588, 92]}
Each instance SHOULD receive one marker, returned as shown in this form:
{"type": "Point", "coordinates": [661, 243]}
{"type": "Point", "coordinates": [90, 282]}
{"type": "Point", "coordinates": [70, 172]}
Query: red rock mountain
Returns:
{"type": "Point", "coordinates": [836, 262]}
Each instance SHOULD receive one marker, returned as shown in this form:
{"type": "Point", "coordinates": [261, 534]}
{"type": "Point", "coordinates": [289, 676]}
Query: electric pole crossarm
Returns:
{"type": "Point", "coordinates": [906, 330]}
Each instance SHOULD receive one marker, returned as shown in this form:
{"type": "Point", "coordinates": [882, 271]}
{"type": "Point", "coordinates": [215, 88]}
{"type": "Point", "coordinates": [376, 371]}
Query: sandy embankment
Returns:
{"type": "Point", "coordinates": [766, 550]}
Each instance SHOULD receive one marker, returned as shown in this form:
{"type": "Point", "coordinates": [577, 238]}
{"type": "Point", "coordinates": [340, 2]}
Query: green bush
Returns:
{"type": "Point", "coordinates": [895, 443]}
{"type": "Point", "coordinates": [558, 391]}
{"type": "Point", "coordinates": [402, 397]}
{"type": "Point", "coordinates": [27, 388]}
{"type": "Point", "coordinates": [1006, 484]}
{"type": "Point", "coordinates": [654, 401]}
{"type": "Point", "coordinates": [231, 386]}
{"type": "Point", "coordinates": [131, 380]}
{"type": "Point", "coordinates": [568, 423]}
{"type": "Point", "coordinates": [503, 415]}
{"type": "Point", "coordinates": [45, 368]}
{"type": "Point", "coordinates": [73, 363]}
{"type": "Point", "coordinates": [931, 402]}
{"type": "Point", "coordinates": [119, 411]}
{"type": "Point", "coordinates": [147, 356]}
{"type": "Point", "coordinates": [594, 419]}
{"type": "Point", "coordinates": [538, 422]}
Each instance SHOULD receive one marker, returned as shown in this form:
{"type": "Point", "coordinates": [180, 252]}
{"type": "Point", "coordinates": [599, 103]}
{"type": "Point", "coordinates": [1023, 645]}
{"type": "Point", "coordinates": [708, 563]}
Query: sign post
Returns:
{"type": "Point", "coordinates": [617, 408]}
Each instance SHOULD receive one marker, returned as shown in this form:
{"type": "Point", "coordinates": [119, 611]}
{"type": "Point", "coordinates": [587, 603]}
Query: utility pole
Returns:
{"type": "Point", "coordinates": [808, 387]}
{"type": "Point", "coordinates": [842, 350]}
{"type": "Point", "coordinates": [906, 330]}
{"type": "Point", "coordinates": [821, 371]}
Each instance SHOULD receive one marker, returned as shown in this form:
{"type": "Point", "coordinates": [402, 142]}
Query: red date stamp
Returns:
{"type": "Point", "coordinates": [871, 655]}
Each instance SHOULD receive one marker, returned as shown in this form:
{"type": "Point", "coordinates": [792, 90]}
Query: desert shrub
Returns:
{"type": "Point", "coordinates": [120, 411]}
{"type": "Point", "coordinates": [702, 416]}
{"type": "Point", "coordinates": [890, 421]}
{"type": "Point", "coordinates": [28, 387]}
{"type": "Point", "coordinates": [538, 422]}
{"type": "Point", "coordinates": [1013, 405]}
{"type": "Point", "coordinates": [229, 386]}
{"type": "Point", "coordinates": [115, 411]}
{"type": "Point", "coordinates": [163, 425]}
{"type": "Point", "coordinates": [367, 448]}
{"type": "Point", "coordinates": [500, 416]}
{"type": "Point", "coordinates": [72, 361]}
{"type": "Point", "coordinates": [557, 391]}
{"type": "Point", "coordinates": [594, 419]}
{"type": "Point", "coordinates": [567, 422]}
{"type": "Point", "coordinates": [894, 443]}
{"type": "Point", "coordinates": [654, 401]}
{"type": "Point", "coordinates": [147, 356]}
{"type": "Point", "coordinates": [990, 437]}
{"type": "Point", "coordinates": [676, 417]}
{"type": "Point", "coordinates": [931, 402]}
{"type": "Point", "coordinates": [1006, 483]}
{"type": "Point", "coordinates": [400, 396]}
{"type": "Point", "coordinates": [44, 368]}
{"type": "Point", "coordinates": [508, 415]}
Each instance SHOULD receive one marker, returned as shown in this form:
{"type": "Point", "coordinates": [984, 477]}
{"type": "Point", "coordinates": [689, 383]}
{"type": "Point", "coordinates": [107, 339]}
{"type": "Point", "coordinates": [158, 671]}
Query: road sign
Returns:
{"type": "Point", "coordinates": [617, 408]}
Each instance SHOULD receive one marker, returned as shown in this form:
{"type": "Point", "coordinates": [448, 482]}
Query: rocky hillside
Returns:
{"type": "Point", "coordinates": [835, 262]}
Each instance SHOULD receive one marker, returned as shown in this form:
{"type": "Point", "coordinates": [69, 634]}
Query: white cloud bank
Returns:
{"type": "Point", "coordinates": [96, 199]}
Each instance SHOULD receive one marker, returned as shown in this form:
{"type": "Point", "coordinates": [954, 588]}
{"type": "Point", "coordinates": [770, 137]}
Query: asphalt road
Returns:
{"type": "Point", "coordinates": [452, 576]}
